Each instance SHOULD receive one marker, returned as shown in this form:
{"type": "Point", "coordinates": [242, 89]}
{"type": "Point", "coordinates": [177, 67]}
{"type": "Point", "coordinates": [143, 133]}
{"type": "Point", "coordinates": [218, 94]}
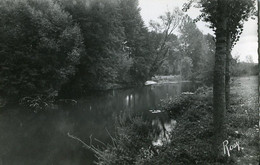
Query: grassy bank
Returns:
{"type": "Point", "coordinates": [190, 142]}
{"type": "Point", "coordinates": [243, 119]}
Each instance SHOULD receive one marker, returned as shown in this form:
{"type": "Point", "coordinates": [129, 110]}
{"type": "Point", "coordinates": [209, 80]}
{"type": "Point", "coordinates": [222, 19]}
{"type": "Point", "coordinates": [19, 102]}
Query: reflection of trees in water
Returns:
{"type": "Point", "coordinates": [145, 98]}
{"type": "Point", "coordinates": [165, 131]}
{"type": "Point", "coordinates": [97, 113]}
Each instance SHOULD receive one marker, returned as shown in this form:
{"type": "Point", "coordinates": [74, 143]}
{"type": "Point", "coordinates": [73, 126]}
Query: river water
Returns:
{"type": "Point", "coordinates": [28, 138]}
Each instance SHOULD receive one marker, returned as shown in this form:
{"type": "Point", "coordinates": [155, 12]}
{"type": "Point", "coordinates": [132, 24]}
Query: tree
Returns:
{"type": "Point", "coordinates": [207, 69]}
{"type": "Point", "coordinates": [107, 61]}
{"type": "Point", "coordinates": [249, 59]}
{"type": "Point", "coordinates": [163, 31]}
{"type": "Point", "coordinates": [226, 18]}
{"type": "Point", "coordinates": [244, 9]}
{"type": "Point", "coordinates": [258, 30]}
{"type": "Point", "coordinates": [136, 40]}
{"type": "Point", "coordinates": [115, 40]}
{"type": "Point", "coordinates": [186, 65]}
{"type": "Point", "coordinates": [191, 45]}
{"type": "Point", "coordinates": [170, 65]}
{"type": "Point", "coordinates": [40, 47]}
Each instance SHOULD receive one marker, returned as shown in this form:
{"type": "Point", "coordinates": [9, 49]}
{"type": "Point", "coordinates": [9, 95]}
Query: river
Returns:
{"type": "Point", "coordinates": [28, 138]}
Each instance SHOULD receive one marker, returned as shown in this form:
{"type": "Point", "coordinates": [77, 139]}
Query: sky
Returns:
{"type": "Point", "coordinates": [246, 46]}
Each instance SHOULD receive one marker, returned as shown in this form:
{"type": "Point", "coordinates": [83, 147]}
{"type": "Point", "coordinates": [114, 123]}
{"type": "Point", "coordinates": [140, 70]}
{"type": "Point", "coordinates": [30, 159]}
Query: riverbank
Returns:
{"type": "Point", "coordinates": [244, 118]}
{"type": "Point", "coordinates": [194, 133]}
{"type": "Point", "coordinates": [190, 142]}
{"type": "Point", "coordinates": [68, 93]}
{"type": "Point", "coordinates": [158, 79]}
{"type": "Point", "coordinates": [168, 79]}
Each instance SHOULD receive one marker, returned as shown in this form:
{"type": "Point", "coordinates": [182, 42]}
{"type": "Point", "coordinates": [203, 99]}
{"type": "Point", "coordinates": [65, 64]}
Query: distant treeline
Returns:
{"type": "Point", "coordinates": [68, 48]}
{"type": "Point", "coordinates": [244, 69]}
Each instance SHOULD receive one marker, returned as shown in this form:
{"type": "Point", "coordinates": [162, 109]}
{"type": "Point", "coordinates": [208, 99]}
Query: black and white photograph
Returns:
{"type": "Point", "coordinates": [129, 82]}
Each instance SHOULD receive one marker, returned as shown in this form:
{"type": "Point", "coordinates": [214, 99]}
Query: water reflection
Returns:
{"type": "Point", "coordinates": [41, 138]}
{"type": "Point", "coordinates": [165, 131]}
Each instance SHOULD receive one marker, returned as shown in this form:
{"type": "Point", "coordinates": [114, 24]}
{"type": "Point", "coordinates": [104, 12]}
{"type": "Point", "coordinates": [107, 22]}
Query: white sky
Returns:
{"type": "Point", "coordinates": [247, 45]}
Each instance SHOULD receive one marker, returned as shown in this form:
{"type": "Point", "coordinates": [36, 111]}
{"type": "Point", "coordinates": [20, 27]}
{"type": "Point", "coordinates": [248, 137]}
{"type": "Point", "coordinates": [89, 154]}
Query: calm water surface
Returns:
{"type": "Point", "coordinates": [41, 138]}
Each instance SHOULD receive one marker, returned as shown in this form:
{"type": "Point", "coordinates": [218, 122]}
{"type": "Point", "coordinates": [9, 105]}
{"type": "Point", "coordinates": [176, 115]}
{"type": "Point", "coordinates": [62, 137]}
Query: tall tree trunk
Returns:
{"type": "Point", "coordinates": [219, 100]}
{"type": "Point", "coordinates": [258, 4]}
{"type": "Point", "coordinates": [227, 72]}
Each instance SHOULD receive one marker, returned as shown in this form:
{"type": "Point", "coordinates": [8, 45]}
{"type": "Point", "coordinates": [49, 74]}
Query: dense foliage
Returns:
{"type": "Point", "coordinates": [190, 55]}
{"type": "Point", "coordinates": [68, 48]}
{"type": "Point", "coordinates": [40, 47]}
{"type": "Point", "coordinates": [243, 68]}
{"type": "Point", "coordinates": [56, 47]}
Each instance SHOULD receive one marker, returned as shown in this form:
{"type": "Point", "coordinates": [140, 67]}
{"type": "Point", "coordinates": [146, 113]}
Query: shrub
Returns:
{"type": "Point", "coordinates": [132, 143]}
{"type": "Point", "coordinates": [178, 106]}
{"type": "Point", "coordinates": [38, 102]}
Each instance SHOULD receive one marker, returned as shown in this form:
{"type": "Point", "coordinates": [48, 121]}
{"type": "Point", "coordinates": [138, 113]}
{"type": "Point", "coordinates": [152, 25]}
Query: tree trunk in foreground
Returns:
{"type": "Point", "coordinates": [258, 3]}
{"type": "Point", "coordinates": [219, 100]}
{"type": "Point", "coordinates": [227, 72]}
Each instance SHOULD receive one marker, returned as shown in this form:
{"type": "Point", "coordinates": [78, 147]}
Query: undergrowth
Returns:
{"type": "Point", "coordinates": [192, 137]}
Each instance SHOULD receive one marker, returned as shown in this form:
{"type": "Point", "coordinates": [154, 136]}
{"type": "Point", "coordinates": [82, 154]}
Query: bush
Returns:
{"type": "Point", "coordinates": [178, 106]}
{"type": "Point", "coordinates": [37, 103]}
{"type": "Point", "coordinates": [132, 143]}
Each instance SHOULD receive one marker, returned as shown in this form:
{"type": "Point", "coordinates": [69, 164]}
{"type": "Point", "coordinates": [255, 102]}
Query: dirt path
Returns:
{"type": "Point", "coordinates": [244, 117]}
